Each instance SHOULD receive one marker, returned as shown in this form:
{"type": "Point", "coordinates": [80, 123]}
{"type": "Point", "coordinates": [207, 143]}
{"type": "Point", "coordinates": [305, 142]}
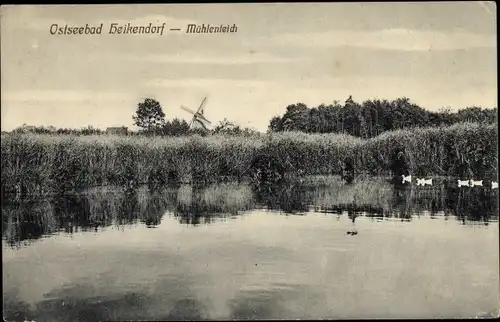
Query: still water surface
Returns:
{"type": "Point", "coordinates": [229, 252]}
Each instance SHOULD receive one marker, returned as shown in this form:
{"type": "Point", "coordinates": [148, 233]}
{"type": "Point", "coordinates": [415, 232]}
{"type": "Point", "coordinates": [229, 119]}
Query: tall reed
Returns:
{"type": "Point", "coordinates": [54, 163]}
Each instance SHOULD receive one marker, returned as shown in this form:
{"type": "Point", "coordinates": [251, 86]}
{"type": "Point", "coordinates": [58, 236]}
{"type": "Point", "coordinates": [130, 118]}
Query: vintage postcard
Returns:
{"type": "Point", "coordinates": [249, 161]}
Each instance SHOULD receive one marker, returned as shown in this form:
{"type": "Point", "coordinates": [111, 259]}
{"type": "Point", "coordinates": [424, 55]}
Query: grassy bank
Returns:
{"type": "Point", "coordinates": [55, 163]}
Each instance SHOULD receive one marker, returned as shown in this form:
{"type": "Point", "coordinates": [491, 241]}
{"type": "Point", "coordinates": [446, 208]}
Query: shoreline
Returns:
{"type": "Point", "coordinates": [62, 162]}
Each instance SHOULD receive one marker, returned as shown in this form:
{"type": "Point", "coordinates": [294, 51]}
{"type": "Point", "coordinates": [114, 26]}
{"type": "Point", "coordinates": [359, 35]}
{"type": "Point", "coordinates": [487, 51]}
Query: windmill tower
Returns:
{"type": "Point", "coordinates": [198, 120]}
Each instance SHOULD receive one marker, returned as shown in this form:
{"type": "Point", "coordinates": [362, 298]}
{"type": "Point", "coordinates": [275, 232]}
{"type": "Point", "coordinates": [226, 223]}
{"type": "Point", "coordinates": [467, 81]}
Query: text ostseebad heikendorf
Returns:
{"type": "Point", "coordinates": [128, 28]}
{"type": "Point", "coordinates": [112, 29]}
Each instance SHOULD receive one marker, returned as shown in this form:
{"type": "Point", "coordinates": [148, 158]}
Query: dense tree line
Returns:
{"type": "Point", "coordinates": [372, 117]}
{"type": "Point", "coordinates": [367, 119]}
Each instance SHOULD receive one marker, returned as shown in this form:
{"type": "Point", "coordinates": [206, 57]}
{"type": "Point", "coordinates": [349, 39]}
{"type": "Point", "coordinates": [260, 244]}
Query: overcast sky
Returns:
{"type": "Point", "coordinates": [437, 54]}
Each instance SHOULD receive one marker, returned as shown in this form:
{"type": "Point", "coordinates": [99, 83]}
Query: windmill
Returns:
{"type": "Point", "coordinates": [198, 117]}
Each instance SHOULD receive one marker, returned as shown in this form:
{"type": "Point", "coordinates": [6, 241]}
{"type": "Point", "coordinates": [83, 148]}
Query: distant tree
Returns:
{"type": "Point", "coordinates": [90, 130]}
{"type": "Point", "coordinates": [276, 124]}
{"type": "Point", "coordinates": [407, 114]}
{"type": "Point", "coordinates": [296, 117]}
{"type": "Point", "coordinates": [175, 127]}
{"type": "Point", "coordinates": [442, 117]}
{"type": "Point", "coordinates": [226, 127]}
{"type": "Point", "coordinates": [149, 115]}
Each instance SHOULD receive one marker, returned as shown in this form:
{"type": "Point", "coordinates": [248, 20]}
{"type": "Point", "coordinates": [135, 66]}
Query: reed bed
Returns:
{"type": "Point", "coordinates": [43, 163]}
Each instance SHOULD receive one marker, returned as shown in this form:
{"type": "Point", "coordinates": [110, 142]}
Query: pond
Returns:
{"type": "Point", "coordinates": [230, 251]}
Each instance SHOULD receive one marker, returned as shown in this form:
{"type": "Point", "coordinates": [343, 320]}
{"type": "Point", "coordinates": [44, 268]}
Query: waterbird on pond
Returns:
{"type": "Point", "coordinates": [352, 232]}
{"type": "Point", "coordinates": [476, 183]}
{"type": "Point", "coordinates": [406, 178]}
{"type": "Point", "coordinates": [463, 183]}
{"type": "Point", "coordinates": [494, 185]}
{"type": "Point", "coordinates": [423, 182]}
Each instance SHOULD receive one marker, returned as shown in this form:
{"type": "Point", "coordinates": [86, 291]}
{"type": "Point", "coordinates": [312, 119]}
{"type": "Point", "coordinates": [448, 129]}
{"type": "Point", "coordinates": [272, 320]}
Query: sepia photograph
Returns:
{"type": "Point", "coordinates": [249, 161]}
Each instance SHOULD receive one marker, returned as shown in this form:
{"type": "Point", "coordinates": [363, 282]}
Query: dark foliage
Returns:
{"type": "Point", "coordinates": [372, 117]}
{"type": "Point", "coordinates": [149, 115]}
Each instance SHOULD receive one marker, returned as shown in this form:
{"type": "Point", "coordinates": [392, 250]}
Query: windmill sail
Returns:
{"type": "Point", "coordinates": [202, 119]}
{"type": "Point", "coordinates": [198, 120]}
{"type": "Point", "coordinates": [188, 110]}
{"type": "Point", "coordinates": [202, 106]}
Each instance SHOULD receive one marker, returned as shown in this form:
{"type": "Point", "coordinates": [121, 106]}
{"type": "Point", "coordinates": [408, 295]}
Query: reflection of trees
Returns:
{"type": "Point", "coordinates": [294, 302]}
{"type": "Point", "coordinates": [287, 198]}
{"type": "Point", "coordinates": [403, 202]}
{"type": "Point", "coordinates": [73, 213]}
{"type": "Point", "coordinates": [473, 204]}
{"type": "Point", "coordinates": [24, 221]}
{"type": "Point", "coordinates": [376, 198]}
{"type": "Point", "coordinates": [101, 208]}
{"type": "Point", "coordinates": [15, 309]}
{"type": "Point", "coordinates": [257, 305]}
{"type": "Point", "coordinates": [202, 204]}
{"type": "Point", "coordinates": [127, 208]}
{"type": "Point", "coordinates": [332, 198]}
{"type": "Point", "coordinates": [96, 298]}
{"type": "Point", "coordinates": [71, 307]}
{"type": "Point", "coordinates": [195, 205]}
{"type": "Point", "coordinates": [153, 207]}
{"type": "Point", "coordinates": [187, 310]}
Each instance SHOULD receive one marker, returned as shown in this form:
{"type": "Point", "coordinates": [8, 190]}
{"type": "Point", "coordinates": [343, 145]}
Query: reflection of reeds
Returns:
{"type": "Point", "coordinates": [364, 195]}
{"type": "Point", "coordinates": [101, 207]}
{"type": "Point", "coordinates": [226, 198]}
{"type": "Point", "coordinates": [378, 197]}
{"type": "Point", "coordinates": [475, 204]}
{"type": "Point", "coordinates": [27, 221]}
{"type": "Point", "coordinates": [192, 204]}
{"type": "Point", "coordinates": [228, 195]}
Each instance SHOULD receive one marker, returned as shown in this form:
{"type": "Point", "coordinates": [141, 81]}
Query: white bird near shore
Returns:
{"type": "Point", "coordinates": [476, 183]}
{"type": "Point", "coordinates": [463, 183]}
{"type": "Point", "coordinates": [494, 185]}
{"type": "Point", "coordinates": [423, 182]}
{"type": "Point", "coordinates": [406, 178]}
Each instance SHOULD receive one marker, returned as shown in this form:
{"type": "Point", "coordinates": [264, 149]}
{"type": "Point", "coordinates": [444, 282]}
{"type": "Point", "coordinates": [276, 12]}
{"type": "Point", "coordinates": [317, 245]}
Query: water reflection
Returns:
{"type": "Point", "coordinates": [100, 298]}
{"type": "Point", "coordinates": [190, 254]}
{"type": "Point", "coordinates": [194, 205]}
{"type": "Point", "coordinates": [187, 310]}
{"type": "Point", "coordinates": [69, 305]}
